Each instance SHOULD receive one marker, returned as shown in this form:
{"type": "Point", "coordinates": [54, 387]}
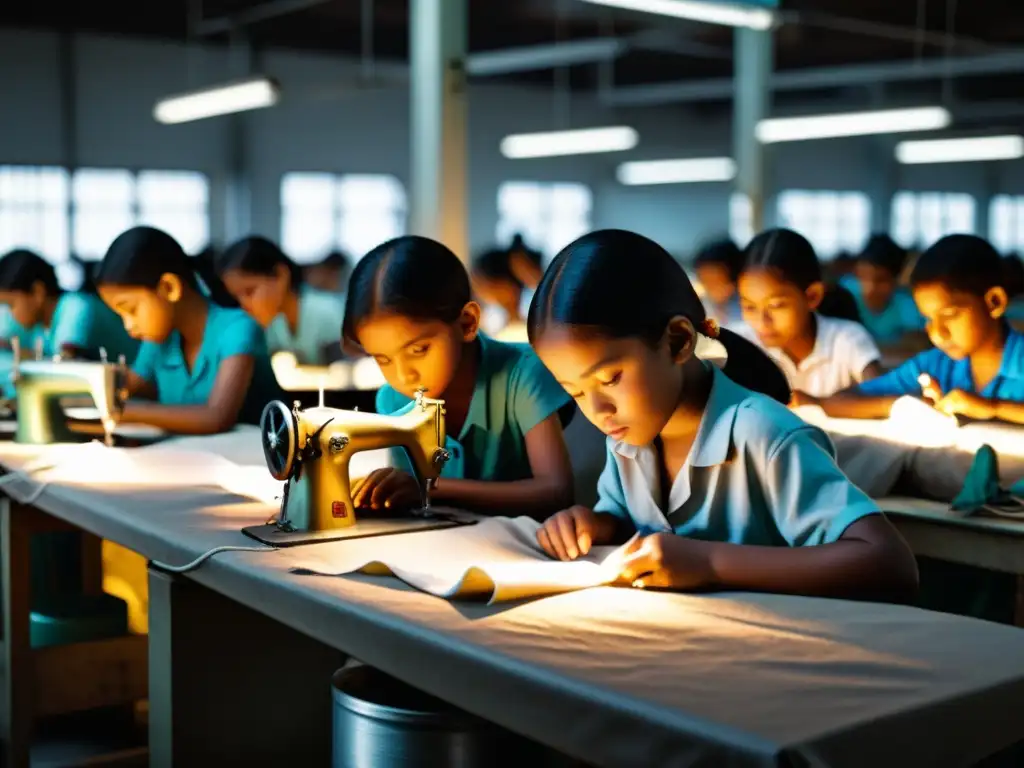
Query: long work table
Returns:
{"type": "Point", "coordinates": [241, 652]}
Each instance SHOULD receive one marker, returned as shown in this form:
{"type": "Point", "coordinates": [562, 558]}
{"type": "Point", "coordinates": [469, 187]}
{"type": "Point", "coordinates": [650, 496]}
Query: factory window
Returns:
{"type": "Point", "coordinates": [177, 202]}
{"type": "Point", "coordinates": [741, 219]}
{"type": "Point", "coordinates": [321, 212]}
{"type": "Point", "coordinates": [549, 216]}
{"type": "Point", "coordinates": [34, 210]}
{"type": "Point", "coordinates": [1006, 223]}
{"type": "Point", "coordinates": [832, 221]}
{"type": "Point", "coordinates": [921, 218]}
{"type": "Point", "coordinates": [107, 201]}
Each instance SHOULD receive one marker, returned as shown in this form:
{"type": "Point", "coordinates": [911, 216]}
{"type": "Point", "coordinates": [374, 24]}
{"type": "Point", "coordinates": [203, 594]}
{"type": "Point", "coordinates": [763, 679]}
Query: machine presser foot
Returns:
{"type": "Point", "coordinates": [430, 519]}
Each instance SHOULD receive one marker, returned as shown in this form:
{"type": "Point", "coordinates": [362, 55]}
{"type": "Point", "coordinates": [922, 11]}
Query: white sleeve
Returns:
{"type": "Point", "coordinates": [861, 349]}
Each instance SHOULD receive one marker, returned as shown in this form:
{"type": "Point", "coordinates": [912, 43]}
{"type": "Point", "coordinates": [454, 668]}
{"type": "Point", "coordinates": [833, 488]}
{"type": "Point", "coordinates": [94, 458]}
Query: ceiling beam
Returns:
{"type": "Point", "coordinates": [823, 77]}
{"type": "Point", "coordinates": [262, 12]}
{"type": "Point", "coordinates": [536, 57]}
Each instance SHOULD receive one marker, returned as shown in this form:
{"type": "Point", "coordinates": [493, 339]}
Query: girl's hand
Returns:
{"type": "Point", "coordinates": [930, 389]}
{"type": "Point", "coordinates": [960, 403]}
{"type": "Point", "coordinates": [386, 488]}
{"type": "Point", "coordinates": [798, 398]}
{"type": "Point", "coordinates": [571, 533]}
{"type": "Point", "coordinates": [667, 561]}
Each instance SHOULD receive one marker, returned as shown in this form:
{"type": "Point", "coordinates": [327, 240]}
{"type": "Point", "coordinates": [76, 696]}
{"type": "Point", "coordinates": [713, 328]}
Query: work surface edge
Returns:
{"type": "Point", "coordinates": [484, 680]}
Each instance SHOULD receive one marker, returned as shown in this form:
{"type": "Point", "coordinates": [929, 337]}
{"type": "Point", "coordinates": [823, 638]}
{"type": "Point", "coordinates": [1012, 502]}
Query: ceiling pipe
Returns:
{"type": "Point", "coordinates": [823, 77]}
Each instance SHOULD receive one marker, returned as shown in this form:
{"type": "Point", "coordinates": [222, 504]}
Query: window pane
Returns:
{"type": "Point", "coordinates": [740, 216]}
{"type": "Point", "coordinates": [103, 202]}
{"type": "Point", "coordinates": [33, 210]}
{"type": "Point", "coordinates": [548, 216]}
{"type": "Point", "coordinates": [370, 192]}
{"type": "Point", "coordinates": [178, 203]}
{"type": "Point", "coordinates": [308, 191]}
{"type": "Point", "coordinates": [919, 219]}
{"type": "Point", "coordinates": [829, 220]}
{"type": "Point", "coordinates": [371, 211]}
{"type": "Point", "coordinates": [307, 235]}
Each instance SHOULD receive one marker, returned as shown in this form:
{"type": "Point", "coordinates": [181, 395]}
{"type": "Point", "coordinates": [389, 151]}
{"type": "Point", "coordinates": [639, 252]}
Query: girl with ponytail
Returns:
{"type": "Point", "coordinates": [723, 486]}
{"type": "Point", "coordinates": [203, 365]}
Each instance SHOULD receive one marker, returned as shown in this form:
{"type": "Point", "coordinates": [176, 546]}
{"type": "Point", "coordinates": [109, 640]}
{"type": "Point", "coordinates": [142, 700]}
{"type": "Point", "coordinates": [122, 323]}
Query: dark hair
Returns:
{"type": "Point", "coordinates": [724, 252]}
{"type": "Point", "coordinates": [412, 276]}
{"type": "Point", "coordinates": [839, 303]}
{"type": "Point", "coordinates": [336, 260]}
{"type": "Point", "coordinates": [494, 264]}
{"type": "Point", "coordinates": [627, 286]}
{"type": "Point", "coordinates": [257, 256]}
{"type": "Point", "coordinates": [786, 253]}
{"type": "Point", "coordinates": [883, 252]}
{"type": "Point", "coordinates": [21, 269]}
{"type": "Point", "coordinates": [88, 272]}
{"type": "Point", "coordinates": [1013, 275]}
{"type": "Point", "coordinates": [142, 255]}
{"type": "Point", "coordinates": [518, 244]}
{"type": "Point", "coordinates": [962, 263]}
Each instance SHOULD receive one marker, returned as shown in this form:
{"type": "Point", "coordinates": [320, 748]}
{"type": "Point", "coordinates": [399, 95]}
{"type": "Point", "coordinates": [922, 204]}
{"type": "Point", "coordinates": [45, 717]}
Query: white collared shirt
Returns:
{"type": "Point", "coordinates": [842, 350]}
{"type": "Point", "coordinates": [756, 474]}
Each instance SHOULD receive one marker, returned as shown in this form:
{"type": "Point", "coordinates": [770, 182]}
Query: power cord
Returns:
{"type": "Point", "coordinates": [206, 556]}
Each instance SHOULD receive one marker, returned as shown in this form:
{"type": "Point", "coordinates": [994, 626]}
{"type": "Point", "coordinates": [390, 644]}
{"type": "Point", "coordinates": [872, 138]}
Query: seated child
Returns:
{"type": "Point", "coordinates": [329, 275]}
{"type": "Point", "coordinates": [269, 287]}
{"type": "Point", "coordinates": [500, 294]}
{"type": "Point", "coordinates": [886, 309]}
{"type": "Point", "coordinates": [717, 266]}
{"type": "Point", "coordinates": [410, 308]}
{"type": "Point", "coordinates": [202, 367]}
{"type": "Point", "coordinates": [723, 485]}
{"type": "Point", "coordinates": [977, 367]}
{"type": "Point", "coordinates": [781, 288]}
{"type": "Point", "coordinates": [54, 322]}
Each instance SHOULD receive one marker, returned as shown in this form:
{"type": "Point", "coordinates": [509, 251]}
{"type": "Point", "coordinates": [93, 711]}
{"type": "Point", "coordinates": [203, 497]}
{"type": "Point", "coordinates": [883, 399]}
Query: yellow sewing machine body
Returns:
{"type": "Point", "coordinates": [310, 451]}
{"type": "Point", "coordinates": [40, 384]}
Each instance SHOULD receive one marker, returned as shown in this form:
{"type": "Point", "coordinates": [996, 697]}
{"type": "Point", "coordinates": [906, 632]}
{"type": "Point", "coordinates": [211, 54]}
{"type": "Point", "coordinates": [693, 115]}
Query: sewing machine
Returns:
{"type": "Point", "coordinates": [310, 451]}
{"type": "Point", "coordinates": [40, 384]}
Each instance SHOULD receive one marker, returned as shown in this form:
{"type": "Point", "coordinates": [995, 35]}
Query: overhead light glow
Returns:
{"type": "Point", "coordinates": [965, 150]}
{"type": "Point", "coordinates": [777, 129]}
{"type": "Point", "coordinates": [709, 11]}
{"type": "Point", "coordinates": [687, 171]}
{"type": "Point", "coordinates": [242, 96]}
{"type": "Point", "coordinates": [583, 141]}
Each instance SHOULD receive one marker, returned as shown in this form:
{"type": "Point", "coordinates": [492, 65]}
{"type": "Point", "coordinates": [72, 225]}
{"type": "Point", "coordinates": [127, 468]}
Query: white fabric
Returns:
{"type": "Point", "coordinates": [842, 350]}
{"type": "Point", "coordinates": [498, 559]}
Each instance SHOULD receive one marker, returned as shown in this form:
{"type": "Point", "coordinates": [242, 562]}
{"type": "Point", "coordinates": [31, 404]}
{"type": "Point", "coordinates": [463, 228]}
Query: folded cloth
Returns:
{"type": "Point", "coordinates": [496, 560]}
{"type": "Point", "coordinates": [981, 491]}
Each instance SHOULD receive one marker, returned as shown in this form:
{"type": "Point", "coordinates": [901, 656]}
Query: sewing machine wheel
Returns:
{"type": "Point", "coordinates": [280, 435]}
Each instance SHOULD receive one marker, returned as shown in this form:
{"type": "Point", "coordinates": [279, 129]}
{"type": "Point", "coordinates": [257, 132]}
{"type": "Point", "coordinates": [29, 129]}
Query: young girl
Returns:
{"type": "Point", "coordinates": [202, 366]}
{"type": "Point", "coordinates": [781, 289]}
{"type": "Point", "coordinates": [44, 317]}
{"type": "Point", "coordinates": [724, 486]}
{"type": "Point", "coordinates": [886, 309]}
{"type": "Point", "coordinates": [501, 294]}
{"type": "Point", "coordinates": [268, 285]}
{"type": "Point", "coordinates": [718, 267]}
{"type": "Point", "coordinates": [409, 307]}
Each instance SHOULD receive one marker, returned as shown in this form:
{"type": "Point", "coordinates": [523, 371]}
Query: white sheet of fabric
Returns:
{"type": "Point", "coordinates": [496, 560]}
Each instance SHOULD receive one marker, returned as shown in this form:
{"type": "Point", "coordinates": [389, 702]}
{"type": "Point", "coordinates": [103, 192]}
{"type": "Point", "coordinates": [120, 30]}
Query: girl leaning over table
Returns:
{"type": "Point", "coordinates": [722, 485]}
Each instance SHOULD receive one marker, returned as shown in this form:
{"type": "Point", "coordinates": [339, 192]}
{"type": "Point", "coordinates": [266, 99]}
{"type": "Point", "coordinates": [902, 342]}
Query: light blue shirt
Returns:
{"type": "Point", "coordinates": [79, 320]}
{"type": "Point", "coordinates": [514, 392]}
{"type": "Point", "coordinates": [229, 332]}
{"type": "Point", "coordinates": [319, 324]}
{"type": "Point", "coordinates": [756, 474]}
{"type": "Point", "coordinates": [951, 374]}
{"type": "Point", "coordinates": [899, 318]}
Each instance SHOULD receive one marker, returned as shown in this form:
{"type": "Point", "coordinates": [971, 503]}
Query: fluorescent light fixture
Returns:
{"type": "Point", "coordinates": [965, 150]}
{"type": "Point", "coordinates": [583, 141]}
{"type": "Point", "coordinates": [778, 129]}
{"type": "Point", "coordinates": [710, 11]}
{"type": "Point", "coordinates": [676, 171]}
{"type": "Point", "coordinates": [241, 96]}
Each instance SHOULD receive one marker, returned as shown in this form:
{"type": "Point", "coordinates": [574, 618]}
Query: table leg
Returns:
{"type": "Point", "coordinates": [16, 691]}
{"type": "Point", "coordinates": [230, 685]}
{"type": "Point", "coordinates": [1018, 608]}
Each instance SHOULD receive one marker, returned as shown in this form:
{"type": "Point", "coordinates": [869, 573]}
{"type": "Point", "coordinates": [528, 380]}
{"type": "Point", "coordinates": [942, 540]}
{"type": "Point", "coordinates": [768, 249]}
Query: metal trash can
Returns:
{"type": "Point", "coordinates": [380, 722]}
